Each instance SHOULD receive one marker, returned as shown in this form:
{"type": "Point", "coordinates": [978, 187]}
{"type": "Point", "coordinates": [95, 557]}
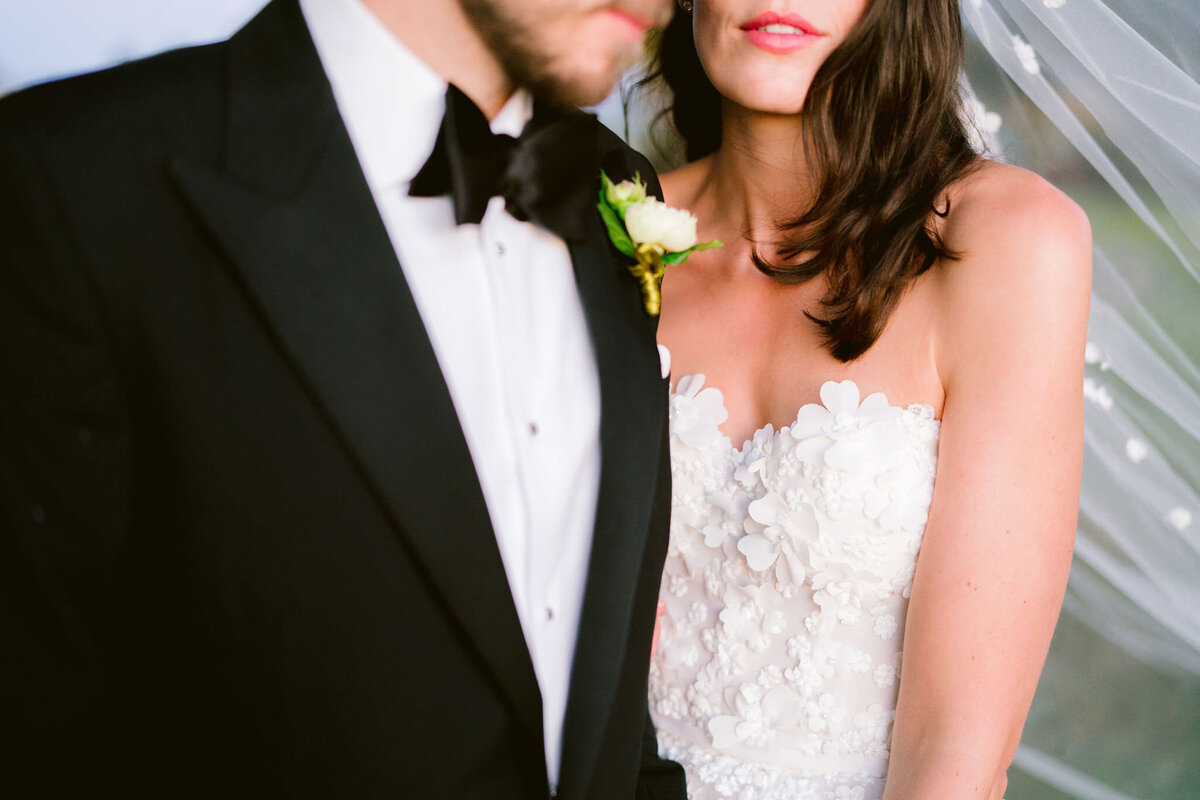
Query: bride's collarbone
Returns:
{"type": "Point", "coordinates": [765, 396]}
{"type": "Point", "coordinates": [768, 359]}
{"type": "Point", "coordinates": [768, 381]}
{"type": "Point", "coordinates": [774, 396]}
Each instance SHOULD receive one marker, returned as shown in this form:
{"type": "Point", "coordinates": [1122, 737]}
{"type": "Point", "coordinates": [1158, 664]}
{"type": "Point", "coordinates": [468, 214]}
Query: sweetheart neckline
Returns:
{"type": "Point", "coordinates": [776, 431]}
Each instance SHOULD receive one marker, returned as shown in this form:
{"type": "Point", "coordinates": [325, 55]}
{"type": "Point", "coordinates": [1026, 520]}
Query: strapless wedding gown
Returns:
{"type": "Point", "coordinates": [785, 590]}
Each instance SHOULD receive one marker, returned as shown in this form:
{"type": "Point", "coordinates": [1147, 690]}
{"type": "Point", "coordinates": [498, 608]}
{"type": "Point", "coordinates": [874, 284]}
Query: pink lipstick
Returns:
{"type": "Point", "coordinates": [781, 33]}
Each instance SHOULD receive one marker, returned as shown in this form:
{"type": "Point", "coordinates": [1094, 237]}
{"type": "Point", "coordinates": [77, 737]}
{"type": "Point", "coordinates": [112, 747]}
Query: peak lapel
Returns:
{"type": "Point", "coordinates": [633, 412]}
{"type": "Point", "coordinates": [295, 217]}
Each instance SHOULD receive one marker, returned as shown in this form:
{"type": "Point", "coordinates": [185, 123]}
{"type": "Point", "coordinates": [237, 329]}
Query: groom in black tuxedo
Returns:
{"type": "Point", "coordinates": [332, 428]}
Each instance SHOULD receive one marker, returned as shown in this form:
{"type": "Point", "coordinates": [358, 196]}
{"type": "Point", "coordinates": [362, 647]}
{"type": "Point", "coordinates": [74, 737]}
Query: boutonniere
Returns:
{"type": "Point", "coordinates": [649, 231]}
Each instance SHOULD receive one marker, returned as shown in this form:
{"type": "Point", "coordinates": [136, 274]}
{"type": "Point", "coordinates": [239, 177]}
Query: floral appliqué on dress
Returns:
{"type": "Point", "coordinates": [786, 585]}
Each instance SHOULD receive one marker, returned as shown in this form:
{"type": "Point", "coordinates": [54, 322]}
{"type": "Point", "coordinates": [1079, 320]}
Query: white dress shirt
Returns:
{"type": "Point", "coordinates": [500, 304]}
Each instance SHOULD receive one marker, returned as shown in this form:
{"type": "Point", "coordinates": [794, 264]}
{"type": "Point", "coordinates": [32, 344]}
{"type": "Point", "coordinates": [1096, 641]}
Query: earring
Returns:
{"type": "Point", "coordinates": [686, 5]}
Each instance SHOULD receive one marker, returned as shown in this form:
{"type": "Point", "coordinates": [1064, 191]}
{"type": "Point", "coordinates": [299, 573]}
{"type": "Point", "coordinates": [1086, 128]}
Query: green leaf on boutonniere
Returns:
{"type": "Point", "coordinates": [615, 225]}
{"type": "Point", "coordinates": [671, 259]}
{"type": "Point", "coordinates": [645, 229]}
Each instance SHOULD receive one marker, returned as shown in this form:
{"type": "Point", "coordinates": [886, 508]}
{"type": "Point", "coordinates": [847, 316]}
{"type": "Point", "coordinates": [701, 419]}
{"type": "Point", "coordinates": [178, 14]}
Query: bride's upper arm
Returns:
{"type": "Point", "coordinates": [1010, 335]}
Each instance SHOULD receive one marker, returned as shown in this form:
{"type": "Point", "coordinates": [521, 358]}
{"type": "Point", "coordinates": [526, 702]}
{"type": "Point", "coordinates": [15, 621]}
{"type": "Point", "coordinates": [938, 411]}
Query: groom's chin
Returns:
{"type": "Point", "coordinates": [586, 79]}
{"type": "Point", "coordinates": [580, 93]}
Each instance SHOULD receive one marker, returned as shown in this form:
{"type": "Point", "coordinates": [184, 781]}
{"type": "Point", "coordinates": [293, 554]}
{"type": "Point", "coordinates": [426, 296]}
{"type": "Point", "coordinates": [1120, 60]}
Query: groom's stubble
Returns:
{"type": "Point", "coordinates": [544, 46]}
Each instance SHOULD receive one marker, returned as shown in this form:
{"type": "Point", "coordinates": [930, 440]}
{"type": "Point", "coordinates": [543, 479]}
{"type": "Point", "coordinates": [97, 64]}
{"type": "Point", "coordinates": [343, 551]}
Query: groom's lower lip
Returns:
{"type": "Point", "coordinates": [636, 25]}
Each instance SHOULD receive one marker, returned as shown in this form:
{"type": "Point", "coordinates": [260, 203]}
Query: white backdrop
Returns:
{"type": "Point", "coordinates": [43, 39]}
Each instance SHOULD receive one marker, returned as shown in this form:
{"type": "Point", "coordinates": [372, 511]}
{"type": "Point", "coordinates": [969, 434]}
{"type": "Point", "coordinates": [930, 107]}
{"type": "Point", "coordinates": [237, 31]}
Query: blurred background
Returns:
{"type": "Point", "coordinates": [1117, 714]}
{"type": "Point", "coordinates": [43, 39]}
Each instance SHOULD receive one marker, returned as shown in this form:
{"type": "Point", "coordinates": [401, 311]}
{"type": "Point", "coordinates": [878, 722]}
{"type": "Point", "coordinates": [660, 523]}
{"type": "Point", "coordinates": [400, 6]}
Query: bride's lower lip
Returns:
{"type": "Point", "coordinates": [780, 42]}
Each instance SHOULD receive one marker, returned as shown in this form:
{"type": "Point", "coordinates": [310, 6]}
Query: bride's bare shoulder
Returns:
{"type": "Point", "coordinates": [1023, 260]}
{"type": "Point", "coordinates": [1001, 206]}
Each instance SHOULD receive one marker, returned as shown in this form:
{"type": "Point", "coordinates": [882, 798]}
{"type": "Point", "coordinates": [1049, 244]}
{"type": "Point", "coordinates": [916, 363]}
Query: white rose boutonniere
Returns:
{"type": "Point", "coordinates": [656, 223]}
{"type": "Point", "coordinates": [651, 232]}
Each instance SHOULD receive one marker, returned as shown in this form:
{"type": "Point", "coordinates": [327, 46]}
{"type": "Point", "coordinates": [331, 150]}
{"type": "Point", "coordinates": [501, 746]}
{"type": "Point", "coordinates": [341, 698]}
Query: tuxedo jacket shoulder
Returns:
{"type": "Point", "coordinates": [243, 551]}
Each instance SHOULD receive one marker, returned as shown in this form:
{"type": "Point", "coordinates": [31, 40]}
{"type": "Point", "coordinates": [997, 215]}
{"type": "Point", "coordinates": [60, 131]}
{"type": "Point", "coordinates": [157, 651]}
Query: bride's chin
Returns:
{"type": "Point", "coordinates": [778, 109]}
{"type": "Point", "coordinates": [760, 97]}
{"type": "Point", "coordinates": [760, 107]}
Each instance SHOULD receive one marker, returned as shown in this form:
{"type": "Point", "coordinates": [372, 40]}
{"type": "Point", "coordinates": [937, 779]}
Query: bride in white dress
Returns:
{"type": "Point", "coordinates": [876, 461]}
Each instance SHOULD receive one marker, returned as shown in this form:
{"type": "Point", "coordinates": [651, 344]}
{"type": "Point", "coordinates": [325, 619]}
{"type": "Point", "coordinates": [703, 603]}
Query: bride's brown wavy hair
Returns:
{"type": "Point", "coordinates": [884, 137]}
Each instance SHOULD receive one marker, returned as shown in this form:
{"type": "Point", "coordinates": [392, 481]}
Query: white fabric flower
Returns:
{"type": "Point", "coordinates": [1179, 517]}
{"type": "Point", "coordinates": [770, 676]}
{"type": "Point", "coordinates": [805, 676]}
{"type": "Point", "coordinates": [752, 615]}
{"type": "Point", "coordinates": [983, 123]}
{"type": "Point", "coordinates": [885, 676]}
{"type": "Point", "coordinates": [656, 223]}
{"type": "Point", "coordinates": [827, 710]}
{"type": "Point", "coordinates": [756, 718]}
{"type": "Point", "coordinates": [838, 595]}
{"type": "Point", "coordinates": [885, 626]}
{"type": "Point", "coordinates": [696, 412]}
{"type": "Point", "coordinates": [1098, 394]}
{"type": "Point", "coordinates": [900, 498]}
{"type": "Point", "coordinates": [775, 530]}
{"type": "Point", "coordinates": [858, 661]}
{"type": "Point", "coordinates": [1027, 55]}
{"type": "Point", "coordinates": [1136, 450]}
{"type": "Point", "coordinates": [799, 648]}
{"type": "Point", "coordinates": [840, 414]}
{"type": "Point", "coordinates": [874, 724]}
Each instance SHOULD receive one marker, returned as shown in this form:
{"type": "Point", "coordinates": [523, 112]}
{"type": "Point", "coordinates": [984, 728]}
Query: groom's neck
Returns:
{"type": "Point", "coordinates": [439, 33]}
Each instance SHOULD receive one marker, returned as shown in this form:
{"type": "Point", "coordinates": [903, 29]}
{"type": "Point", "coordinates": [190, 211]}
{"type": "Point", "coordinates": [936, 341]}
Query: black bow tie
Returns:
{"type": "Point", "coordinates": [546, 176]}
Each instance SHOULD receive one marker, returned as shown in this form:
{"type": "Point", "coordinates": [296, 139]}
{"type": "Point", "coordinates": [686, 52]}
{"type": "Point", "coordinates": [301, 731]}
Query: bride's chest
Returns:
{"type": "Point", "coordinates": [841, 494]}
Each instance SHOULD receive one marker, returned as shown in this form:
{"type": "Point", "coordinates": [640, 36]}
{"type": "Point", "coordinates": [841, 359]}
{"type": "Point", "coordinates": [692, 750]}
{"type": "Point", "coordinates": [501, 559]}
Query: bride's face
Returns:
{"type": "Point", "coordinates": [763, 54]}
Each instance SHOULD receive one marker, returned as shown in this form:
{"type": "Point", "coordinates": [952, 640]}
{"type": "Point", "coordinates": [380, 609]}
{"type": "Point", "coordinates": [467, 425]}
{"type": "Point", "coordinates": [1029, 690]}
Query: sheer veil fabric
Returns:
{"type": "Point", "coordinates": [1117, 101]}
{"type": "Point", "coordinates": [1102, 98]}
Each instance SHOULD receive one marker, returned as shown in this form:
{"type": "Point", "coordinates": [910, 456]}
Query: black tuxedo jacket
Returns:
{"type": "Point", "coordinates": [243, 549]}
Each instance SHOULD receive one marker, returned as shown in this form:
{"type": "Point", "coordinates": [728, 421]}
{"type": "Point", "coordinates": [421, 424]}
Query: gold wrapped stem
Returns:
{"type": "Point", "coordinates": [649, 271]}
